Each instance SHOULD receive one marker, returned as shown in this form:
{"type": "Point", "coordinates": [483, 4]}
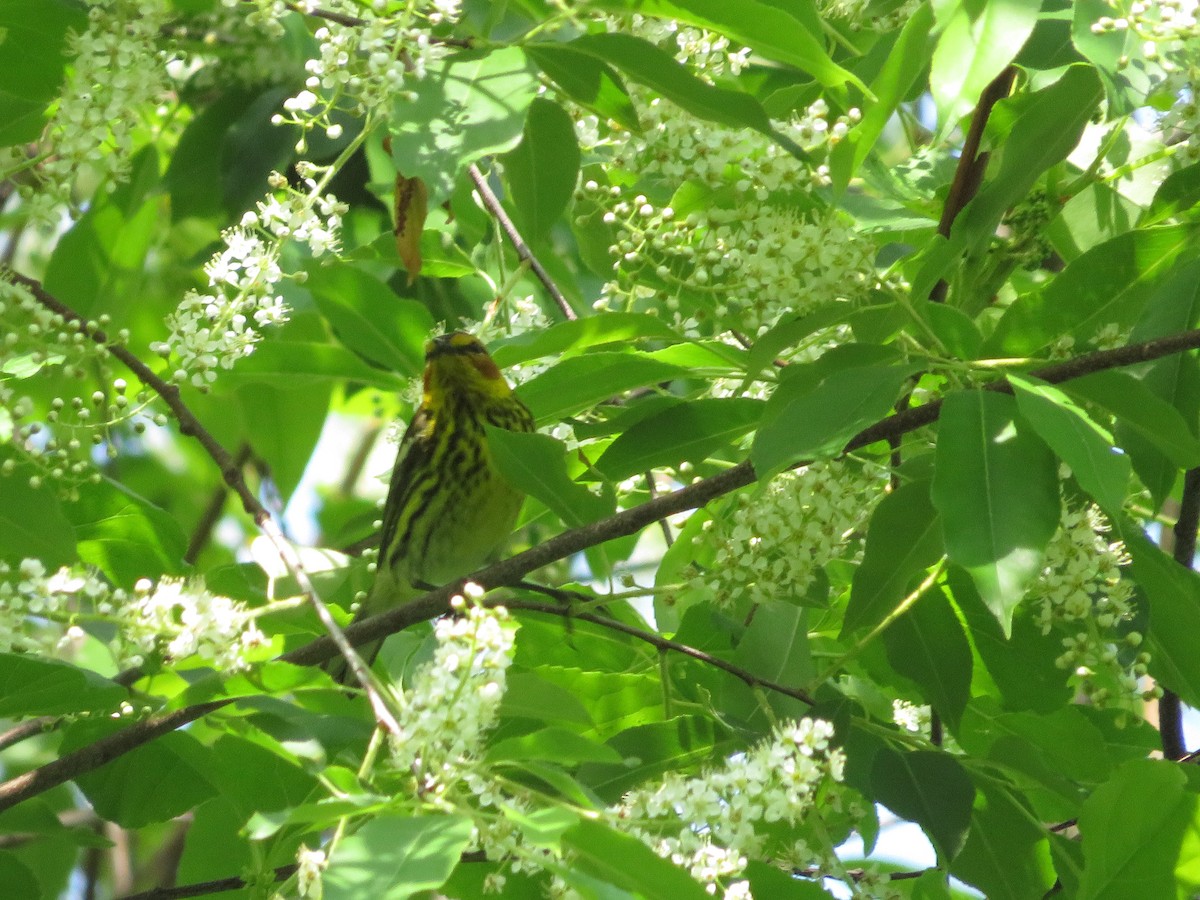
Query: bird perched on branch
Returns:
{"type": "Point", "coordinates": [448, 509]}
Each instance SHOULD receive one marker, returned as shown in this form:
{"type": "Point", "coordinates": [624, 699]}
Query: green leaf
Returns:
{"type": "Point", "coordinates": [556, 744]}
{"type": "Point", "coordinates": [658, 70]}
{"type": "Point", "coordinates": [1173, 593]}
{"type": "Point", "coordinates": [579, 383]}
{"type": "Point", "coordinates": [803, 421]}
{"type": "Point", "coordinates": [467, 106]}
{"type": "Point", "coordinates": [955, 330]}
{"type": "Point", "coordinates": [589, 80]}
{"type": "Point", "coordinates": [536, 464]}
{"type": "Point", "coordinates": [33, 54]}
{"type": "Point", "coordinates": [530, 696]}
{"type": "Point", "coordinates": [649, 751]}
{"type": "Point", "coordinates": [290, 363]}
{"type": "Point", "coordinates": [153, 783]}
{"type": "Point", "coordinates": [283, 425]}
{"type": "Point", "coordinates": [30, 686]}
{"type": "Point", "coordinates": [225, 154]}
{"type": "Point", "coordinates": [1178, 195]}
{"type": "Point", "coordinates": [614, 700]}
{"type": "Point", "coordinates": [99, 264]}
{"type": "Point", "coordinates": [17, 878]}
{"type": "Point", "coordinates": [255, 778]}
{"type": "Point", "coordinates": [1109, 50]}
{"type": "Point", "coordinates": [1021, 665]}
{"type": "Point", "coordinates": [125, 536]}
{"type": "Point", "coordinates": [1076, 439]}
{"type": "Point", "coordinates": [1138, 408]}
{"type": "Point", "coordinates": [1132, 830]}
{"type": "Point", "coordinates": [787, 333]}
{"type": "Point", "coordinates": [394, 857]}
{"type": "Point", "coordinates": [1108, 284]}
{"type": "Point", "coordinates": [1062, 744]}
{"type": "Point", "coordinates": [577, 335]}
{"type": "Point", "coordinates": [928, 645]}
{"type": "Point", "coordinates": [690, 431]}
{"type": "Point", "coordinates": [776, 646]}
{"type": "Point", "coordinates": [903, 66]}
{"type": "Point", "coordinates": [977, 41]}
{"type": "Point", "coordinates": [904, 539]}
{"type": "Point", "coordinates": [32, 524]}
{"type": "Point", "coordinates": [930, 788]}
{"type": "Point", "coordinates": [770, 29]}
{"type": "Point", "coordinates": [1006, 855]}
{"type": "Point", "coordinates": [370, 319]}
{"type": "Point", "coordinates": [996, 489]}
{"type": "Point", "coordinates": [625, 862]}
{"type": "Point", "coordinates": [542, 170]}
{"type": "Point", "coordinates": [771, 881]}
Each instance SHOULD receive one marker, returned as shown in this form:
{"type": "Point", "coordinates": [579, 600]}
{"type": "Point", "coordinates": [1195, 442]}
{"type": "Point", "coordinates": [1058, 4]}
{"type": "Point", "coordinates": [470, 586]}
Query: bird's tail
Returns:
{"type": "Point", "coordinates": [385, 593]}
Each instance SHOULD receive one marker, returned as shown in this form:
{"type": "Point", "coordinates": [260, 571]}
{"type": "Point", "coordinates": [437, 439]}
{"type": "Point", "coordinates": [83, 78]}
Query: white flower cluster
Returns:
{"type": "Point", "coordinates": [1170, 35]}
{"type": "Point", "coordinates": [216, 329]}
{"type": "Point", "coordinates": [865, 15]}
{"type": "Point", "coordinates": [754, 248]}
{"type": "Point", "coordinates": [774, 541]}
{"type": "Point", "coordinates": [1081, 592]}
{"type": "Point", "coordinates": [454, 699]}
{"type": "Point", "coordinates": [712, 823]}
{"type": "Point", "coordinates": [117, 72]}
{"type": "Point", "coordinates": [180, 618]}
{"type": "Point", "coordinates": [911, 717]}
{"type": "Point", "coordinates": [367, 56]}
{"type": "Point", "coordinates": [710, 54]}
{"type": "Point", "coordinates": [42, 613]}
{"type": "Point", "coordinates": [231, 44]}
{"type": "Point", "coordinates": [310, 865]}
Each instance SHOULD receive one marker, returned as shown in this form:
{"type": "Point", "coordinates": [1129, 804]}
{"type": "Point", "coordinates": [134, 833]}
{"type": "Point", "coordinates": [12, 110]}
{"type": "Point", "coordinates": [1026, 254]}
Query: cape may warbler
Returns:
{"type": "Point", "coordinates": [448, 510]}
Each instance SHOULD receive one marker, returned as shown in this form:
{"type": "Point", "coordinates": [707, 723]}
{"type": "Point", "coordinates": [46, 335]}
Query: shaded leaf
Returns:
{"type": "Point", "coordinates": [996, 489]}
{"type": "Point", "coordinates": [929, 788]}
{"type": "Point", "coordinates": [394, 857]}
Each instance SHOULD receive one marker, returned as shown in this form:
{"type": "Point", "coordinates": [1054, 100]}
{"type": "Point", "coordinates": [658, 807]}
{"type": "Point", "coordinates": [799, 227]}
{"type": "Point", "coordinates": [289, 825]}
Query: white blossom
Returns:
{"type": "Point", "coordinates": [712, 823]}
{"type": "Point", "coordinates": [453, 701]}
{"type": "Point", "coordinates": [774, 541]}
{"type": "Point", "coordinates": [117, 70]}
{"type": "Point", "coordinates": [213, 330]}
{"type": "Point", "coordinates": [1082, 595]}
{"type": "Point", "coordinates": [43, 612]}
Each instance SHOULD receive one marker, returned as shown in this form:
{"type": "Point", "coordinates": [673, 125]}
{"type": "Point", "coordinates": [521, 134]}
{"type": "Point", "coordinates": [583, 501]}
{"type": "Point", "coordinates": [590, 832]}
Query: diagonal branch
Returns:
{"type": "Point", "coordinates": [492, 202]}
{"type": "Point", "coordinates": [662, 643]}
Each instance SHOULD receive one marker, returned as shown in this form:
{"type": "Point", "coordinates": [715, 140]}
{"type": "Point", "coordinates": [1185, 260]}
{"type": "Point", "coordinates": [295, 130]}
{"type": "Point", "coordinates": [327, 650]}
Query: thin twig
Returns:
{"type": "Point", "coordinates": [662, 643]}
{"type": "Point", "coordinates": [204, 888]}
{"type": "Point", "coordinates": [651, 492]}
{"type": "Point", "coordinates": [492, 202]}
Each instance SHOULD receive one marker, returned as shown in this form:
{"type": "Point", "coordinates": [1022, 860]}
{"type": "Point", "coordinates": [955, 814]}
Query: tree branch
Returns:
{"type": "Point", "coordinates": [492, 202]}
{"type": "Point", "coordinates": [971, 163]}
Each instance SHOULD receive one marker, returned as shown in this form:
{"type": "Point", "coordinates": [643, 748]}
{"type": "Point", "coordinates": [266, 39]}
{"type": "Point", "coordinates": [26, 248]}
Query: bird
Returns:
{"type": "Point", "coordinates": [448, 509]}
